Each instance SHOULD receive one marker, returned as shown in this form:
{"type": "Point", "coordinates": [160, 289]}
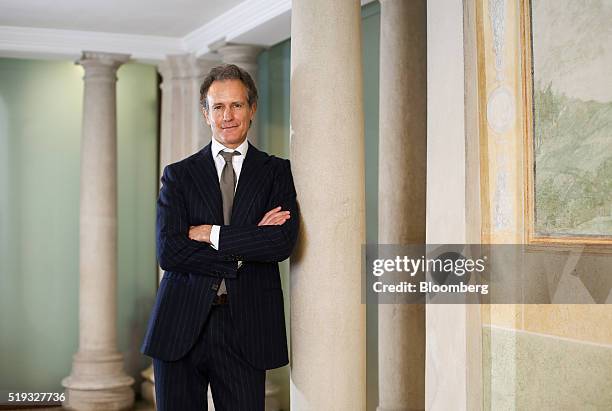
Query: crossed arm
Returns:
{"type": "Point", "coordinates": [185, 248]}
{"type": "Point", "coordinates": [276, 216]}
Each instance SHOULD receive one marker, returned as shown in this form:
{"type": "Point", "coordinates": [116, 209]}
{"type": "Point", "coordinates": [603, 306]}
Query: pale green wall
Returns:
{"type": "Point", "coordinates": [273, 85]}
{"type": "Point", "coordinates": [370, 60]}
{"type": "Point", "coordinates": [40, 121]}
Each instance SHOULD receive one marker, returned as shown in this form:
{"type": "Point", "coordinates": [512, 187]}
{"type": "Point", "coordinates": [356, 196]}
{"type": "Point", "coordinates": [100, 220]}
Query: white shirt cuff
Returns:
{"type": "Point", "coordinates": [214, 236]}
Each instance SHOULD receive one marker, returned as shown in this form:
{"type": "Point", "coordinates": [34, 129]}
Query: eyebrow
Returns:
{"type": "Point", "coordinates": [232, 102]}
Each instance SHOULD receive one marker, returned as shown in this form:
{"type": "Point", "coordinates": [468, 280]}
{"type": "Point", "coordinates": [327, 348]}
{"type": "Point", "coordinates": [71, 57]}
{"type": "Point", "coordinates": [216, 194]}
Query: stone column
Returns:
{"type": "Point", "coordinates": [244, 56]}
{"type": "Point", "coordinates": [402, 185]}
{"type": "Point", "coordinates": [183, 132]}
{"type": "Point", "coordinates": [183, 128]}
{"type": "Point", "coordinates": [454, 332]}
{"type": "Point", "coordinates": [97, 380]}
{"type": "Point", "coordinates": [327, 152]}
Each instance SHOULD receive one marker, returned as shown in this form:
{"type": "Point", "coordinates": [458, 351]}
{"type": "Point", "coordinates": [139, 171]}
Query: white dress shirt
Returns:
{"type": "Point", "coordinates": [237, 162]}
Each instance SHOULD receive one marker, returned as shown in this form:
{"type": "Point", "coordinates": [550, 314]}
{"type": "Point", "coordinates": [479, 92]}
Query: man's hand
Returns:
{"type": "Point", "coordinates": [200, 233]}
{"type": "Point", "coordinates": [275, 217]}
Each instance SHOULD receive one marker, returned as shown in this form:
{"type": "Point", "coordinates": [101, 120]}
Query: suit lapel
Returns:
{"type": "Point", "coordinates": [252, 174]}
{"type": "Point", "coordinates": [204, 173]}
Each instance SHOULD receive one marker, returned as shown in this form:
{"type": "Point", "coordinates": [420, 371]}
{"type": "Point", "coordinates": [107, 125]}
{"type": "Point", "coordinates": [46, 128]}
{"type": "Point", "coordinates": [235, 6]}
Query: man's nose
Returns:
{"type": "Point", "coordinates": [228, 114]}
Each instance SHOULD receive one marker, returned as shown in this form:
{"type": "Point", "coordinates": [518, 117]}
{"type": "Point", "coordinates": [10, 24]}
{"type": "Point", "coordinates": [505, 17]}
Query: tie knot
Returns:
{"type": "Point", "coordinates": [227, 156]}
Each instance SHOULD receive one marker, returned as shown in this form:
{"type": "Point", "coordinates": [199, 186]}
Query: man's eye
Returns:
{"type": "Point", "coordinates": [237, 105]}
{"type": "Point", "coordinates": [217, 108]}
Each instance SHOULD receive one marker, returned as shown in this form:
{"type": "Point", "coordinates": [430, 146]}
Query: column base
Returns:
{"type": "Point", "coordinates": [97, 383]}
{"type": "Point", "coordinates": [272, 390]}
{"type": "Point", "coordinates": [116, 399]}
{"type": "Point", "coordinates": [147, 388]}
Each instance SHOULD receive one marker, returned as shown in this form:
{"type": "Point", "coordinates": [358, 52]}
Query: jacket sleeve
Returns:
{"type": "Point", "coordinates": [175, 250]}
{"type": "Point", "coordinates": [266, 243]}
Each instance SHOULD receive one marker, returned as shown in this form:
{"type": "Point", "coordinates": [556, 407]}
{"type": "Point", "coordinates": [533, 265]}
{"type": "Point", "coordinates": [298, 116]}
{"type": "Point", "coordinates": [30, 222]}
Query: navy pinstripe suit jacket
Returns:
{"type": "Point", "coordinates": [190, 195]}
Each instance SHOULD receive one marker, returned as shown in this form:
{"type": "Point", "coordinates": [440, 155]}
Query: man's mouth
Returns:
{"type": "Point", "coordinates": [226, 127]}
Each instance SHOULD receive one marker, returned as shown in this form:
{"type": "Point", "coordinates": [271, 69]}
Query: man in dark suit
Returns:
{"type": "Point", "coordinates": [226, 216]}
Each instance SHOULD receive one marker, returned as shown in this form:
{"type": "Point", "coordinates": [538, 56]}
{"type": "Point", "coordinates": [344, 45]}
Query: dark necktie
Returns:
{"type": "Point", "coordinates": [227, 183]}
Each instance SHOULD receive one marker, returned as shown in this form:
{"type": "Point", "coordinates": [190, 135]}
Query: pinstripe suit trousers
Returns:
{"type": "Point", "coordinates": [215, 359]}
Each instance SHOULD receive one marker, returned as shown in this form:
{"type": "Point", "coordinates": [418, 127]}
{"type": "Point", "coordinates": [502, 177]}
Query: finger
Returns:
{"type": "Point", "coordinates": [274, 210]}
{"type": "Point", "coordinates": [264, 220]}
{"type": "Point", "coordinates": [279, 216]}
{"type": "Point", "coordinates": [280, 219]}
{"type": "Point", "coordinates": [274, 215]}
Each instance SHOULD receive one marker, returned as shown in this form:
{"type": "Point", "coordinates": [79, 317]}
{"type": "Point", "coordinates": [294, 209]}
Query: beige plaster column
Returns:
{"type": "Point", "coordinates": [183, 128]}
{"type": "Point", "coordinates": [327, 153]}
{"type": "Point", "coordinates": [402, 185]}
{"type": "Point", "coordinates": [454, 332]}
{"type": "Point", "coordinates": [244, 56]}
{"type": "Point", "coordinates": [97, 380]}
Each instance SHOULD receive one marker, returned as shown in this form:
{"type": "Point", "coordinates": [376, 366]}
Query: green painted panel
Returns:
{"type": "Point", "coordinates": [370, 38]}
{"type": "Point", "coordinates": [138, 146]}
{"type": "Point", "coordinates": [527, 371]}
{"type": "Point", "coordinates": [274, 72]}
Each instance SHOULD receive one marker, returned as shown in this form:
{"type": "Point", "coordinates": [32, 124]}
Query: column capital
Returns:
{"type": "Point", "coordinates": [243, 55]}
{"type": "Point", "coordinates": [183, 66]}
{"type": "Point", "coordinates": [100, 64]}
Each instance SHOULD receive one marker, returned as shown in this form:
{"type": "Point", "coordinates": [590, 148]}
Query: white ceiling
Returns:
{"type": "Point", "coordinates": [175, 18]}
{"type": "Point", "coordinates": [148, 30]}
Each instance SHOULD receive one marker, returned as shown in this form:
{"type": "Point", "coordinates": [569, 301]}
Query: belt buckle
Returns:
{"type": "Point", "coordinates": [220, 299]}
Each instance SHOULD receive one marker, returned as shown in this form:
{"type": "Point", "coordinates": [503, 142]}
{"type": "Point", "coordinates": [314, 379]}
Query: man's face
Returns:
{"type": "Point", "coordinates": [229, 113]}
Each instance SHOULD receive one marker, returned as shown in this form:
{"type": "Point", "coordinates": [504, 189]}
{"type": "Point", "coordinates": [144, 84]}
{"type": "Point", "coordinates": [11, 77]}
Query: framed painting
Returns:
{"type": "Point", "coordinates": [567, 78]}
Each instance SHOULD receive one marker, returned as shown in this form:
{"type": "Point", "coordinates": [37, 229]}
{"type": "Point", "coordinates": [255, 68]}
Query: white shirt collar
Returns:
{"type": "Point", "coordinates": [216, 147]}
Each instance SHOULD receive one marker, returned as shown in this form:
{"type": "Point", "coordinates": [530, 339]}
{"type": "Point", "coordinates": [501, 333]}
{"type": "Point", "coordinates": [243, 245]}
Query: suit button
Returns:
{"type": "Point", "coordinates": [215, 287]}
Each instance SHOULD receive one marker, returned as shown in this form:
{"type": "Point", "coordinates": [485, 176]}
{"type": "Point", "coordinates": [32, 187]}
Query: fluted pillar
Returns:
{"type": "Point", "coordinates": [183, 128]}
{"type": "Point", "coordinates": [244, 56]}
{"type": "Point", "coordinates": [401, 204]}
{"type": "Point", "coordinates": [327, 154]}
{"type": "Point", "coordinates": [97, 381]}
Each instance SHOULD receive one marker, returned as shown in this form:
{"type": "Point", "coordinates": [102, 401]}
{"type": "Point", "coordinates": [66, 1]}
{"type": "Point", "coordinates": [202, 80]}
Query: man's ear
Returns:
{"type": "Point", "coordinates": [205, 112]}
{"type": "Point", "coordinates": [253, 109]}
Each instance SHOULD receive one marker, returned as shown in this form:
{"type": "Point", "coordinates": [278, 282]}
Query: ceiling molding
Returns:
{"type": "Point", "coordinates": [30, 42]}
{"type": "Point", "coordinates": [258, 22]}
{"type": "Point", "coordinates": [241, 19]}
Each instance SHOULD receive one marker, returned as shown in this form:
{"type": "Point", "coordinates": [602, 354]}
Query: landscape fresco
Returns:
{"type": "Point", "coordinates": [572, 113]}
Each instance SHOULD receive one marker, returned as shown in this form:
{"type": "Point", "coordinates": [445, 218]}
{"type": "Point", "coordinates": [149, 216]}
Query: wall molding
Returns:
{"type": "Point", "coordinates": [29, 42]}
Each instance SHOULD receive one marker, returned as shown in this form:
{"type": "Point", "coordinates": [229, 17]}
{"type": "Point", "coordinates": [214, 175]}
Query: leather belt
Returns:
{"type": "Point", "coordinates": [220, 299]}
